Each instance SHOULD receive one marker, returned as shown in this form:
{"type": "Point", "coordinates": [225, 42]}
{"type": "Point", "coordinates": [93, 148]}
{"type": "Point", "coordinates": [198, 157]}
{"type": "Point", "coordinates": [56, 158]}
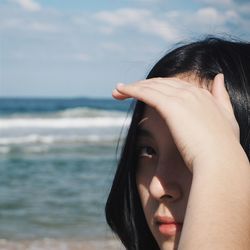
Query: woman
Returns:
{"type": "Point", "coordinates": [183, 179]}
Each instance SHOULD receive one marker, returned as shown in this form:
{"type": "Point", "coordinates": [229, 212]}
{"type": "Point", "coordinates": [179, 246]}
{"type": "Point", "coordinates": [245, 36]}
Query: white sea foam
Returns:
{"type": "Point", "coordinates": [63, 127]}
{"type": "Point", "coordinates": [78, 112]}
{"type": "Point", "coordinates": [51, 139]}
{"type": "Point", "coordinates": [59, 123]}
{"type": "Point", "coordinates": [88, 112]}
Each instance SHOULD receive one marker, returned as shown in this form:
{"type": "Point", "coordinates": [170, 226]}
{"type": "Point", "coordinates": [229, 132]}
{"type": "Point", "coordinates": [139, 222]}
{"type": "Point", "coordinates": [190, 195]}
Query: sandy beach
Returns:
{"type": "Point", "coordinates": [61, 244]}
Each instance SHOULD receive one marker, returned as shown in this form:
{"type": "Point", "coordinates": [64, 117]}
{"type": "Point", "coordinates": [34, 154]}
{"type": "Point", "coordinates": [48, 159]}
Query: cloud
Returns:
{"type": "Point", "coordinates": [206, 20]}
{"type": "Point", "coordinates": [176, 25]}
{"type": "Point", "coordinates": [140, 19]}
{"type": "Point", "coordinates": [211, 15]}
{"type": "Point", "coordinates": [29, 5]}
{"type": "Point", "coordinates": [123, 17]}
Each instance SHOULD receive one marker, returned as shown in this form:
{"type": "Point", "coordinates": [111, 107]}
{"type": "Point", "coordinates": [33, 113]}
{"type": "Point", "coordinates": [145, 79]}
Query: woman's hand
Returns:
{"type": "Point", "coordinates": [201, 122]}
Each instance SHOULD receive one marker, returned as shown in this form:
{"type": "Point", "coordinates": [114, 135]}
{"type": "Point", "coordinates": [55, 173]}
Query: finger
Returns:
{"type": "Point", "coordinates": [220, 93]}
{"type": "Point", "coordinates": [172, 87]}
{"type": "Point", "coordinates": [167, 86]}
{"type": "Point", "coordinates": [118, 95]}
{"type": "Point", "coordinates": [174, 82]}
{"type": "Point", "coordinates": [163, 88]}
{"type": "Point", "coordinates": [150, 96]}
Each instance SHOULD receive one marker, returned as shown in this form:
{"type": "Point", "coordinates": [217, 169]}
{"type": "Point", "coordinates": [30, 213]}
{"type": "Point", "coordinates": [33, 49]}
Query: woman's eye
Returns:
{"type": "Point", "coordinates": [146, 151]}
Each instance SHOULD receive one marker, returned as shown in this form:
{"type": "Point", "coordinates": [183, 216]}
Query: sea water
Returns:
{"type": "Point", "coordinates": [57, 161]}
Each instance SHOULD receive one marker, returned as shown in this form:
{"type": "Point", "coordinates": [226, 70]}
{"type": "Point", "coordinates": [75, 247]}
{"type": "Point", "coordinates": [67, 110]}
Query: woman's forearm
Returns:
{"type": "Point", "coordinates": [218, 210]}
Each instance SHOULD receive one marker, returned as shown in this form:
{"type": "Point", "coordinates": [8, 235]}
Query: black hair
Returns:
{"type": "Point", "coordinates": [205, 59]}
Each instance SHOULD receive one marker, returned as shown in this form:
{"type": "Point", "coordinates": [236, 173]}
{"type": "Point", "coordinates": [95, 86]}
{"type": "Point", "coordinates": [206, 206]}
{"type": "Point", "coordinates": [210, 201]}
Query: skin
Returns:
{"type": "Point", "coordinates": [211, 174]}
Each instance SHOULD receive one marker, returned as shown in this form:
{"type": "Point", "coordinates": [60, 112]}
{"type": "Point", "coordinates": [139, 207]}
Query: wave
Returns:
{"type": "Point", "coordinates": [88, 112]}
{"type": "Point", "coordinates": [36, 144]}
{"type": "Point", "coordinates": [51, 139]}
{"type": "Point", "coordinates": [77, 112]}
{"type": "Point", "coordinates": [64, 127]}
{"type": "Point", "coordinates": [68, 112]}
{"type": "Point", "coordinates": [60, 123]}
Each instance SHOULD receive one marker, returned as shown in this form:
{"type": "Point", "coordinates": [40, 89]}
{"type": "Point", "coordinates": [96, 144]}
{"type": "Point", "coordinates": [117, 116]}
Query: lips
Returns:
{"type": "Point", "coordinates": [167, 226]}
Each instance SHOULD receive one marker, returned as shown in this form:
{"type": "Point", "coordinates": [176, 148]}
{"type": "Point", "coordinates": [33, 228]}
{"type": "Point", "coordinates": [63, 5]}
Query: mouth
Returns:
{"type": "Point", "coordinates": [167, 225]}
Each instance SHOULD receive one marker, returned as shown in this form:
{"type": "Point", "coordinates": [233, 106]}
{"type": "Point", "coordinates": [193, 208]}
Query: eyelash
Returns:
{"type": "Point", "coordinates": [145, 151]}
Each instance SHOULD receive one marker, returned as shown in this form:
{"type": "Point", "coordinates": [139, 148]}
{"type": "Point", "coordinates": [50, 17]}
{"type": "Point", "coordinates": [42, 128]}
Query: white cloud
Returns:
{"type": "Point", "coordinates": [175, 25]}
{"type": "Point", "coordinates": [123, 16]}
{"type": "Point", "coordinates": [206, 20]}
{"type": "Point", "coordinates": [29, 5]}
{"type": "Point", "coordinates": [142, 20]}
{"type": "Point", "coordinates": [209, 15]}
{"type": "Point", "coordinates": [160, 28]}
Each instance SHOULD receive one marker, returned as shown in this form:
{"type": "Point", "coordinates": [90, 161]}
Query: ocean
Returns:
{"type": "Point", "coordinates": [57, 161]}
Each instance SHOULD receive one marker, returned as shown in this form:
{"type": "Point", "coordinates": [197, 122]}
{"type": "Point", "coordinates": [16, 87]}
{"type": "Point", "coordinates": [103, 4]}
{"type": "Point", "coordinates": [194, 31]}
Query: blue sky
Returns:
{"type": "Point", "coordinates": [58, 48]}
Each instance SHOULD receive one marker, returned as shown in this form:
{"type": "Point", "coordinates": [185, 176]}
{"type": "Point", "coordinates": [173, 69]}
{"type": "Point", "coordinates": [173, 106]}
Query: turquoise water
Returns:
{"type": "Point", "coordinates": [57, 160]}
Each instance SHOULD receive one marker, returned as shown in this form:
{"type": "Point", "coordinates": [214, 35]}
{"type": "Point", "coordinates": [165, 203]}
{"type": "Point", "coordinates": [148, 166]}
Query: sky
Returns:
{"type": "Point", "coordinates": [59, 48]}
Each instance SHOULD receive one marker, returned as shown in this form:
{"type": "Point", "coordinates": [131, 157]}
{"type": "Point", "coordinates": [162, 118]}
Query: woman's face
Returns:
{"type": "Point", "coordinates": [163, 180]}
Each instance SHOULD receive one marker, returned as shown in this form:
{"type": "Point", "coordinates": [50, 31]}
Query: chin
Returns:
{"type": "Point", "coordinates": [169, 245]}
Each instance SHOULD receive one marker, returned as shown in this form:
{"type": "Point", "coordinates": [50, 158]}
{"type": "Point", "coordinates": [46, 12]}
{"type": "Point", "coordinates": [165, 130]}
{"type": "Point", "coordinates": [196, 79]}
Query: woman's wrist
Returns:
{"type": "Point", "coordinates": [225, 156]}
{"type": "Point", "coordinates": [219, 204]}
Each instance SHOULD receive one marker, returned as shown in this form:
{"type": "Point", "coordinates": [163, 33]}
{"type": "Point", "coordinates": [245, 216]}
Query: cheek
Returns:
{"type": "Point", "coordinates": [148, 204]}
{"type": "Point", "coordinates": [145, 170]}
{"type": "Point", "coordinates": [143, 193]}
{"type": "Point", "coordinates": [145, 200]}
{"type": "Point", "coordinates": [143, 179]}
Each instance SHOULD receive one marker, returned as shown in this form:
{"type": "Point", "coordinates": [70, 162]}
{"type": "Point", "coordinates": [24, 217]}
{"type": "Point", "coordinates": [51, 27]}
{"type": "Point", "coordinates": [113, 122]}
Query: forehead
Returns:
{"type": "Point", "coordinates": [152, 122]}
{"type": "Point", "coordinates": [151, 117]}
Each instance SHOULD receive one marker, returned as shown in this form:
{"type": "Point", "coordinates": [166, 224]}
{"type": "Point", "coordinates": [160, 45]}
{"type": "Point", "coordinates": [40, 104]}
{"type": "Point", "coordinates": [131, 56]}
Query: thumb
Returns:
{"type": "Point", "coordinates": [220, 93]}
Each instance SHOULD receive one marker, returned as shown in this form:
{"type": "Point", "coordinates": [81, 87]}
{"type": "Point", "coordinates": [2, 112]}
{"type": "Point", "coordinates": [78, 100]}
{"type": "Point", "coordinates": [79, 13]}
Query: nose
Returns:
{"type": "Point", "coordinates": [162, 190]}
